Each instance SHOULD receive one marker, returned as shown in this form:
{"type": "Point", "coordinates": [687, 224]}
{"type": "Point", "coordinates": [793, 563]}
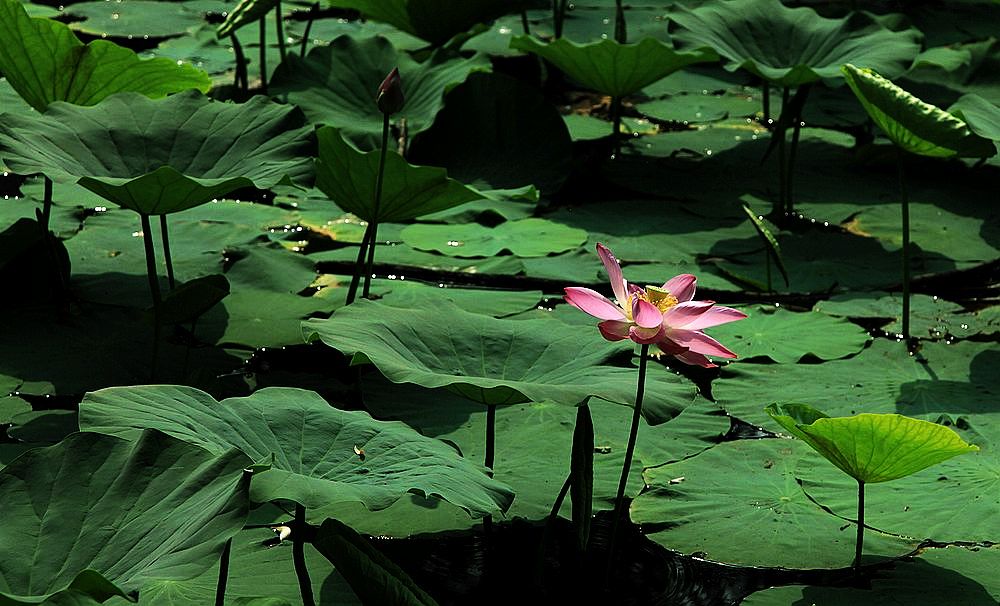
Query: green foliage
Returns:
{"type": "Point", "coordinates": [524, 238]}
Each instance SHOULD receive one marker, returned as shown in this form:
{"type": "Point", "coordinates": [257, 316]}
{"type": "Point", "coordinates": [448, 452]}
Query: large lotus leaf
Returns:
{"type": "Point", "coordinates": [943, 379]}
{"type": "Point", "coordinates": [937, 576]}
{"type": "Point", "coordinates": [138, 18]}
{"type": "Point", "coordinates": [524, 238]}
{"type": "Point", "coordinates": [982, 117]}
{"type": "Point", "coordinates": [44, 62]}
{"type": "Point", "coordinates": [245, 13]}
{"type": "Point", "coordinates": [255, 571]}
{"type": "Point", "coordinates": [933, 317]}
{"type": "Point", "coordinates": [739, 503]}
{"type": "Point", "coordinates": [336, 85]}
{"type": "Point", "coordinates": [96, 512]}
{"type": "Point", "coordinates": [785, 336]}
{"type": "Point", "coordinates": [492, 361]}
{"type": "Point", "coordinates": [499, 132]}
{"type": "Point", "coordinates": [610, 67]}
{"type": "Point", "coordinates": [794, 46]}
{"type": "Point", "coordinates": [913, 125]}
{"type": "Point", "coordinates": [436, 21]}
{"type": "Point", "coordinates": [315, 446]}
{"type": "Point", "coordinates": [496, 303]}
{"type": "Point", "coordinates": [348, 176]}
{"type": "Point", "coordinates": [162, 156]}
{"type": "Point", "coordinates": [872, 447]}
{"type": "Point", "coordinates": [959, 500]}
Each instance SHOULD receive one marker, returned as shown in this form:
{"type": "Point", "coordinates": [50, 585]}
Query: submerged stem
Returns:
{"type": "Point", "coordinates": [633, 433]}
{"type": "Point", "coordinates": [154, 288]}
{"type": "Point", "coordinates": [904, 198]}
{"type": "Point", "coordinates": [299, 557]}
{"type": "Point", "coordinates": [859, 542]}
{"type": "Point", "coordinates": [166, 250]}
{"type": "Point", "coordinates": [378, 201]}
{"type": "Point", "coordinates": [220, 588]}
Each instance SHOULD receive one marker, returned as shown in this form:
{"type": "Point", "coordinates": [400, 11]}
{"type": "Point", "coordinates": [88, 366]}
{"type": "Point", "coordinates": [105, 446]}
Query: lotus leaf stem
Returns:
{"type": "Point", "coordinates": [524, 23]}
{"type": "Point", "coordinates": [616, 125]}
{"type": "Point", "coordinates": [766, 102]}
{"type": "Point", "coordinates": [799, 102]}
{"type": "Point", "coordinates": [241, 80]}
{"type": "Point", "coordinates": [299, 556]}
{"type": "Point", "coordinates": [309, 24]}
{"type": "Point", "coordinates": [154, 288]}
{"type": "Point", "coordinates": [279, 26]}
{"type": "Point", "coordinates": [780, 208]}
{"type": "Point", "coordinates": [166, 250]}
{"type": "Point", "coordinates": [373, 224]}
{"type": "Point", "coordinates": [904, 199]}
{"type": "Point", "coordinates": [558, 16]}
{"type": "Point", "coordinates": [488, 458]}
{"type": "Point", "coordinates": [621, 33]}
{"type": "Point", "coordinates": [859, 542]}
{"type": "Point", "coordinates": [582, 472]}
{"type": "Point", "coordinates": [629, 452]}
{"type": "Point", "coordinates": [359, 265]}
{"type": "Point", "coordinates": [46, 206]}
{"type": "Point", "coordinates": [220, 588]}
{"type": "Point", "coordinates": [263, 54]}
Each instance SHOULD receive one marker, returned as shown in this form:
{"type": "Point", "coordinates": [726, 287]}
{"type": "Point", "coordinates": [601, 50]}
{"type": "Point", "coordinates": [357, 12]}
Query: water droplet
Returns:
{"type": "Point", "coordinates": [965, 327]}
{"type": "Point", "coordinates": [604, 36]}
{"type": "Point", "coordinates": [115, 16]}
{"type": "Point", "coordinates": [454, 243]}
{"type": "Point", "coordinates": [505, 31]}
{"type": "Point", "coordinates": [605, 21]}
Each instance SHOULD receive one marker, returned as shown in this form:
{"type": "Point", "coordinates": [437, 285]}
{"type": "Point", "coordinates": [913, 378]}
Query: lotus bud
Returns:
{"type": "Point", "coordinates": [390, 94]}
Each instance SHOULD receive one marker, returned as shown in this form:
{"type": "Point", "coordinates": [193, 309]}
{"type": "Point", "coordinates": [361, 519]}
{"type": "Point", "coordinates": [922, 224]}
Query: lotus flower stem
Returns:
{"type": "Point", "coordinates": [904, 198]}
{"type": "Point", "coordinates": [373, 225]}
{"type": "Point", "coordinates": [241, 80]}
{"type": "Point", "coordinates": [629, 452]}
{"type": "Point", "coordinates": [279, 26]}
{"type": "Point", "coordinates": [309, 24]}
{"type": "Point", "coordinates": [166, 250]}
{"type": "Point", "coordinates": [154, 287]}
{"type": "Point", "coordinates": [263, 54]}
{"type": "Point", "coordinates": [299, 556]}
{"type": "Point", "coordinates": [220, 588]}
{"type": "Point", "coordinates": [859, 542]}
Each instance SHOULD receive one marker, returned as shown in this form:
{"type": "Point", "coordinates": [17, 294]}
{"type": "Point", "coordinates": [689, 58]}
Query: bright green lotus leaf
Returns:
{"type": "Point", "coordinates": [492, 361]}
{"type": "Point", "coordinates": [982, 117]}
{"type": "Point", "coordinates": [492, 302]}
{"type": "Point", "coordinates": [336, 85]}
{"type": "Point", "coordinates": [348, 176]}
{"type": "Point", "coordinates": [913, 125]}
{"type": "Point", "coordinates": [435, 21]}
{"type": "Point", "coordinates": [97, 513]}
{"type": "Point", "coordinates": [872, 447]}
{"type": "Point", "coordinates": [373, 576]}
{"type": "Point", "coordinates": [524, 238]}
{"type": "Point", "coordinates": [138, 18]}
{"type": "Point", "coordinates": [162, 156]}
{"type": "Point", "coordinates": [498, 132]}
{"type": "Point", "coordinates": [314, 467]}
{"type": "Point", "coordinates": [244, 13]}
{"type": "Point", "coordinates": [44, 62]}
{"type": "Point", "coordinates": [793, 46]}
{"type": "Point", "coordinates": [948, 575]}
{"type": "Point", "coordinates": [739, 502]}
{"type": "Point", "coordinates": [610, 67]}
{"type": "Point", "coordinates": [786, 336]}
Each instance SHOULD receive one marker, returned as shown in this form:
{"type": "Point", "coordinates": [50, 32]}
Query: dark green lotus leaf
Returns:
{"type": "Point", "coordinates": [872, 447]}
{"type": "Point", "coordinates": [128, 513]}
{"type": "Point", "coordinates": [532, 237]}
{"type": "Point", "coordinates": [496, 303]}
{"type": "Point", "coordinates": [255, 571]}
{"type": "Point", "coordinates": [786, 337]}
{"type": "Point", "coordinates": [982, 117]}
{"type": "Point", "coordinates": [138, 18]}
{"type": "Point", "coordinates": [913, 125]}
{"type": "Point", "coordinates": [343, 456]}
{"type": "Point", "coordinates": [497, 132]}
{"type": "Point", "coordinates": [610, 67]}
{"type": "Point", "coordinates": [373, 576]}
{"type": "Point", "coordinates": [44, 62]}
{"type": "Point", "coordinates": [794, 46]}
{"type": "Point", "coordinates": [162, 156]}
{"type": "Point", "coordinates": [435, 21]}
{"type": "Point", "coordinates": [348, 176]}
{"type": "Point", "coordinates": [739, 503]}
{"type": "Point", "coordinates": [245, 13]}
{"type": "Point", "coordinates": [932, 317]}
{"type": "Point", "coordinates": [937, 576]}
{"type": "Point", "coordinates": [492, 361]}
{"type": "Point", "coordinates": [336, 85]}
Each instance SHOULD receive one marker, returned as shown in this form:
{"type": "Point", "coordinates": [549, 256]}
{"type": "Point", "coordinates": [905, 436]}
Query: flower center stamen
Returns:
{"type": "Point", "coordinates": [659, 297]}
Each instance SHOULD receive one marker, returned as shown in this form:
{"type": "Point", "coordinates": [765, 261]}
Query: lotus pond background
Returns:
{"type": "Point", "coordinates": [784, 203]}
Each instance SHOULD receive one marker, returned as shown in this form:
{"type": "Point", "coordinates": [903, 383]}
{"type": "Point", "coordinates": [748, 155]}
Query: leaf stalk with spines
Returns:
{"type": "Point", "coordinates": [633, 434]}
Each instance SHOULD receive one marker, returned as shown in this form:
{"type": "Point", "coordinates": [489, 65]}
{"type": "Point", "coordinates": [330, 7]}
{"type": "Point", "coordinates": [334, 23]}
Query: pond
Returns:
{"type": "Point", "coordinates": [418, 302]}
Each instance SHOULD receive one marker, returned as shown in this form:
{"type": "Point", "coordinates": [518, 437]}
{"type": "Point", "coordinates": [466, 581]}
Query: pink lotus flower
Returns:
{"type": "Point", "coordinates": [665, 315]}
